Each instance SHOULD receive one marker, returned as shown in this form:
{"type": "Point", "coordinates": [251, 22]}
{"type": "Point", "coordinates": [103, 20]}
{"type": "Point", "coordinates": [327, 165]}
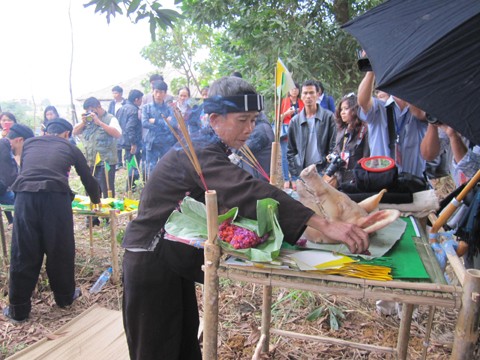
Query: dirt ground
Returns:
{"type": "Point", "coordinates": [240, 314]}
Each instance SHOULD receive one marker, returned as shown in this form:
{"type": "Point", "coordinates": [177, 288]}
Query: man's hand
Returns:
{"type": "Point", "coordinates": [151, 120]}
{"type": "Point", "coordinates": [349, 234]}
{"type": "Point", "coordinates": [133, 149]}
{"type": "Point", "coordinates": [96, 119]}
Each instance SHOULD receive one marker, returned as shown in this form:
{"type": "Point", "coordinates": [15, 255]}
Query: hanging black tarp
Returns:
{"type": "Point", "coordinates": [427, 52]}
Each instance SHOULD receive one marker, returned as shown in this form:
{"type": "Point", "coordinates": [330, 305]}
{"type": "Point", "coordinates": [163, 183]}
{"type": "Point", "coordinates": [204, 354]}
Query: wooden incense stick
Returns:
{"type": "Point", "coordinates": [186, 143]}
{"type": "Point", "coordinates": [251, 160]}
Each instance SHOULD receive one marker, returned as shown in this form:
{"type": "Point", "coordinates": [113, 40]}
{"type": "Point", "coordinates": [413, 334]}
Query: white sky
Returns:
{"type": "Point", "coordinates": [35, 49]}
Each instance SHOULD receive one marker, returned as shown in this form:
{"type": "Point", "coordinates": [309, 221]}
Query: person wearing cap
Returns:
{"type": "Point", "coordinates": [11, 146]}
{"type": "Point", "coordinates": [160, 311]}
{"type": "Point", "coordinates": [43, 223]}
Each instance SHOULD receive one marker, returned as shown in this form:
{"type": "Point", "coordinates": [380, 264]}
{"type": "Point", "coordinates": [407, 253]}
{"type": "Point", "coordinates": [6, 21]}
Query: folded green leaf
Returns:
{"type": "Point", "coordinates": [191, 222]}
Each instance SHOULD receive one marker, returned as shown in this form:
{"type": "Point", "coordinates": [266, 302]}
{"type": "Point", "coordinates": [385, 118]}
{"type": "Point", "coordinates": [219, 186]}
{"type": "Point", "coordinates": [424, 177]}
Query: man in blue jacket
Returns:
{"type": "Point", "coordinates": [155, 115]}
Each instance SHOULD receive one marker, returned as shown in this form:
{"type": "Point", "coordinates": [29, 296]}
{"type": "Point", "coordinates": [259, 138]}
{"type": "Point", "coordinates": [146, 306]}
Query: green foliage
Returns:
{"type": "Point", "coordinates": [24, 113]}
{"type": "Point", "coordinates": [137, 10]}
{"type": "Point", "coordinates": [182, 46]}
{"type": "Point", "coordinates": [305, 34]}
{"type": "Point", "coordinates": [248, 36]}
{"type": "Point", "coordinates": [331, 311]}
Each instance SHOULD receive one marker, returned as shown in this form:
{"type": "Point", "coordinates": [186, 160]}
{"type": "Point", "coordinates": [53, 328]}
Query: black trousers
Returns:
{"type": "Point", "coordinates": [100, 176]}
{"type": "Point", "coordinates": [43, 225]}
{"type": "Point", "coordinates": [160, 312]}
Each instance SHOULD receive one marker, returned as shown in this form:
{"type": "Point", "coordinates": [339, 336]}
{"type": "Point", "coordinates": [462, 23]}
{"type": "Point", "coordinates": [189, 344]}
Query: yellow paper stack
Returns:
{"type": "Point", "coordinates": [338, 264]}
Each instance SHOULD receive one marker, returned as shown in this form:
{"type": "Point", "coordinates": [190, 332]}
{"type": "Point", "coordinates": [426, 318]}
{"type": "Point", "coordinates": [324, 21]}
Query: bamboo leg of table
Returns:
{"type": "Point", "coordinates": [211, 284]}
{"type": "Point", "coordinates": [114, 246]}
{"type": "Point", "coordinates": [266, 316]}
{"type": "Point", "coordinates": [426, 341]}
{"type": "Point", "coordinates": [90, 233]}
{"type": "Point", "coordinates": [466, 330]}
{"type": "Point", "coordinates": [4, 240]}
{"type": "Point", "coordinates": [404, 331]}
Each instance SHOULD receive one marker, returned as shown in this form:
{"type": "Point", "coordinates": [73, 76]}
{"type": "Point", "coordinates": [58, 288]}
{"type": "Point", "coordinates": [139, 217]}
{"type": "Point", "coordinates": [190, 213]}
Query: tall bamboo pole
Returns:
{"type": "Point", "coordinates": [210, 298]}
{"type": "Point", "coordinates": [466, 330]}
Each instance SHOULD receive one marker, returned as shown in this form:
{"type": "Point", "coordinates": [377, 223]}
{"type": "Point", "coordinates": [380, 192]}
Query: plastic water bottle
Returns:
{"type": "Point", "coordinates": [102, 280]}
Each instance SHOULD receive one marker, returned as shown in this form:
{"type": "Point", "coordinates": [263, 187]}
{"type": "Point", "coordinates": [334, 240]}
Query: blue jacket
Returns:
{"type": "Point", "coordinates": [111, 106]}
{"type": "Point", "coordinates": [158, 133]}
{"type": "Point", "coordinates": [131, 125]}
{"type": "Point", "coordinates": [328, 103]}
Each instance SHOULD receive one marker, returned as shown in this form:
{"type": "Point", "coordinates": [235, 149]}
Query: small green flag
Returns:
{"type": "Point", "coordinates": [132, 163]}
{"type": "Point", "coordinates": [107, 166]}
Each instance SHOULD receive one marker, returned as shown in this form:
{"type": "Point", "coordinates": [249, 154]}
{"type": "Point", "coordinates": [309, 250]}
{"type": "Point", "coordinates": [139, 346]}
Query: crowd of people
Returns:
{"type": "Point", "coordinates": [144, 127]}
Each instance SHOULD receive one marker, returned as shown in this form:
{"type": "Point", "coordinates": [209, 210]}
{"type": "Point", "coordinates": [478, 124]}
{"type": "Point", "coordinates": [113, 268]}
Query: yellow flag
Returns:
{"type": "Point", "coordinates": [283, 81]}
{"type": "Point", "coordinates": [97, 158]}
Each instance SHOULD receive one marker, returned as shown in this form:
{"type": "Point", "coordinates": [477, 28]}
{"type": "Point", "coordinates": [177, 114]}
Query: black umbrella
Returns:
{"type": "Point", "coordinates": [427, 52]}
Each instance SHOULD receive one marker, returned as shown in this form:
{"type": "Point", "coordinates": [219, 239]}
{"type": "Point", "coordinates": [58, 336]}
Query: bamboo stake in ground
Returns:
{"type": "Point", "coordinates": [466, 330]}
{"type": "Point", "coordinates": [210, 297]}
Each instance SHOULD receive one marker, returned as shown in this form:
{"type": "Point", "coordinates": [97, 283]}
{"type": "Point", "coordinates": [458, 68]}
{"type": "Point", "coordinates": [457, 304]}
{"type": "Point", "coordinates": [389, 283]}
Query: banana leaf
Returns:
{"type": "Point", "coordinates": [190, 221]}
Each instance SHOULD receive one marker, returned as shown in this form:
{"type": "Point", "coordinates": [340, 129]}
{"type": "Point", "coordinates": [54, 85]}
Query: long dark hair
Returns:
{"type": "Point", "coordinates": [52, 109]}
{"type": "Point", "coordinates": [352, 104]}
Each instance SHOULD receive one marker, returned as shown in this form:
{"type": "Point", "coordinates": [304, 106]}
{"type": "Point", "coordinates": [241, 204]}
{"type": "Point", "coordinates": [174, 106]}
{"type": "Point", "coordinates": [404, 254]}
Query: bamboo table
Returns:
{"type": "Point", "coordinates": [112, 215]}
{"type": "Point", "coordinates": [434, 294]}
{"type": "Point", "coordinates": [114, 218]}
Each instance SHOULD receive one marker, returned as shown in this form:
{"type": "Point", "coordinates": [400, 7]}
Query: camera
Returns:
{"type": "Point", "coordinates": [295, 110]}
{"type": "Point", "coordinates": [336, 162]}
{"type": "Point", "coordinates": [88, 116]}
{"type": "Point", "coordinates": [363, 62]}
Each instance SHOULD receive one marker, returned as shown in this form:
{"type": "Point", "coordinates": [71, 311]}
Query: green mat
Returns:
{"type": "Point", "coordinates": [406, 263]}
{"type": "Point", "coordinates": [403, 257]}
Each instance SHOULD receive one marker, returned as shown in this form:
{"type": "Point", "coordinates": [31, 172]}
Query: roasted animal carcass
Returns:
{"type": "Point", "coordinates": [332, 204]}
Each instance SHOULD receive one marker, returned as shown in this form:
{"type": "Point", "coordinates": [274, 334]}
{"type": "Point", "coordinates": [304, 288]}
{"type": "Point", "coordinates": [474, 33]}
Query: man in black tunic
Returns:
{"type": "Point", "coordinates": [43, 221]}
{"type": "Point", "coordinates": [160, 311]}
{"type": "Point", "coordinates": [11, 146]}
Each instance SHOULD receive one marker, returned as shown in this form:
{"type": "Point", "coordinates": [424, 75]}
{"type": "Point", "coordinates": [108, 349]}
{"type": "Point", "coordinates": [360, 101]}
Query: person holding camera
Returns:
{"type": "Point", "coordinates": [311, 134]}
{"type": "Point", "coordinates": [291, 106]}
{"type": "Point", "coordinates": [100, 131]}
{"type": "Point", "coordinates": [352, 140]}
